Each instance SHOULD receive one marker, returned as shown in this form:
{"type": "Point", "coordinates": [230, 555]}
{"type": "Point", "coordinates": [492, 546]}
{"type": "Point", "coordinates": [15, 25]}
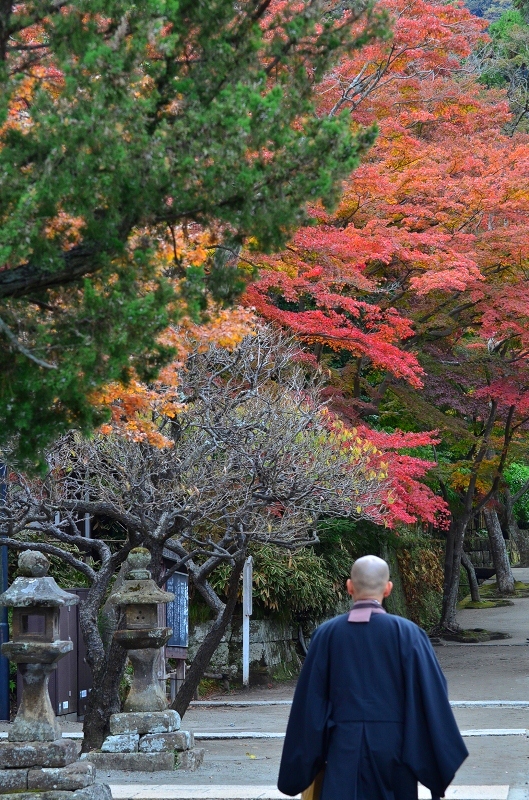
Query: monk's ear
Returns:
{"type": "Point", "coordinates": [349, 587]}
{"type": "Point", "coordinates": [388, 589]}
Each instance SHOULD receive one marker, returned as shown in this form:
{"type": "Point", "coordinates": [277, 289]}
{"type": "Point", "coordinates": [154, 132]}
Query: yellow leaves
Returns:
{"type": "Point", "coordinates": [136, 407]}
{"type": "Point", "coordinates": [175, 248]}
{"type": "Point", "coordinates": [459, 479]}
{"type": "Point", "coordinates": [66, 228]}
{"type": "Point", "coordinates": [227, 328]}
{"type": "Point", "coordinates": [170, 409]}
{"type": "Point", "coordinates": [461, 474]}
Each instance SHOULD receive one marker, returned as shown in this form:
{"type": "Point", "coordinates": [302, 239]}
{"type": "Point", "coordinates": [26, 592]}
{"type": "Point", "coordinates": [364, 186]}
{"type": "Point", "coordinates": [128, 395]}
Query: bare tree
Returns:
{"type": "Point", "coordinates": [254, 459]}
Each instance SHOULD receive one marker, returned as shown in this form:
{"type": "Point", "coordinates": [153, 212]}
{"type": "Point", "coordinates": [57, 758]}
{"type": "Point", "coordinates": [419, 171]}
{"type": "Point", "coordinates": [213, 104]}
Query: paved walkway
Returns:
{"type": "Point", "coordinates": [489, 690]}
{"type": "Point", "coordinates": [243, 733]}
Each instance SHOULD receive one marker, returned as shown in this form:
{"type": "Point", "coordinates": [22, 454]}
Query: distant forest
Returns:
{"type": "Point", "coordinates": [489, 9]}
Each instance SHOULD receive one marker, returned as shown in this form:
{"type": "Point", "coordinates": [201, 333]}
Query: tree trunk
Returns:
{"type": "Point", "coordinates": [472, 580]}
{"type": "Point", "coordinates": [518, 536]}
{"type": "Point", "coordinates": [500, 557]}
{"type": "Point", "coordinates": [453, 554]}
{"type": "Point", "coordinates": [105, 658]}
{"type": "Point", "coordinates": [210, 643]}
{"type": "Point", "coordinates": [103, 700]}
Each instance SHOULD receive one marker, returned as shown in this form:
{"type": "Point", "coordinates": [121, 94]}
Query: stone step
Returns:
{"type": "Point", "coordinates": [171, 792]}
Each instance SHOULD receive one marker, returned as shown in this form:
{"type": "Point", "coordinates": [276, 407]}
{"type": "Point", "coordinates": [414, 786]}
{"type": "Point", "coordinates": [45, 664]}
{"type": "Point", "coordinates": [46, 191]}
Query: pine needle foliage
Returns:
{"type": "Point", "coordinates": [120, 121]}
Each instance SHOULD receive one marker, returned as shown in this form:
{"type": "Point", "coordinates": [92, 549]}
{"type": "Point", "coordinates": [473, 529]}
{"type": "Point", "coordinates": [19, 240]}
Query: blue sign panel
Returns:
{"type": "Point", "coordinates": [178, 610]}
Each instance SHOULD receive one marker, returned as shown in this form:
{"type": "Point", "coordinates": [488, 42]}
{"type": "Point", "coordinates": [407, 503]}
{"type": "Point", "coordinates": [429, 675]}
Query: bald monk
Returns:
{"type": "Point", "coordinates": [371, 705]}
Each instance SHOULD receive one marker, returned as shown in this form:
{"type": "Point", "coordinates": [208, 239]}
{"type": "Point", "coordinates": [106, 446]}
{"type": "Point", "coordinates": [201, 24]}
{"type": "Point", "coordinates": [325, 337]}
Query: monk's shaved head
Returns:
{"type": "Point", "coordinates": [369, 576]}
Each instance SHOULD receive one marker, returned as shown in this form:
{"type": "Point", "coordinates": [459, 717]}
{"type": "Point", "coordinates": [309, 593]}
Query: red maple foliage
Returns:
{"type": "Point", "coordinates": [420, 274]}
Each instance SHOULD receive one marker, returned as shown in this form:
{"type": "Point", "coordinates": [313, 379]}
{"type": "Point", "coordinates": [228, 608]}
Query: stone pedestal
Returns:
{"type": "Point", "coordinates": [147, 742]}
{"type": "Point", "coordinates": [47, 771]}
{"type": "Point", "coordinates": [35, 718]}
{"type": "Point", "coordinates": [145, 692]}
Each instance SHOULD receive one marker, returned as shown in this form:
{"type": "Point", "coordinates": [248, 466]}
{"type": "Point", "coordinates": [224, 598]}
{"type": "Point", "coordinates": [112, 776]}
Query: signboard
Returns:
{"type": "Point", "coordinates": [178, 610]}
{"type": "Point", "coordinates": [247, 577]}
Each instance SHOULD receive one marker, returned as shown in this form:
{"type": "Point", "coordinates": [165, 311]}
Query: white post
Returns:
{"type": "Point", "coordinates": [87, 526]}
{"type": "Point", "coordinates": [246, 614]}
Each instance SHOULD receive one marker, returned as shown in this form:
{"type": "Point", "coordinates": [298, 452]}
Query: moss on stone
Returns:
{"type": "Point", "coordinates": [468, 603]}
{"type": "Point", "coordinates": [490, 590]}
{"type": "Point", "coordinates": [474, 635]}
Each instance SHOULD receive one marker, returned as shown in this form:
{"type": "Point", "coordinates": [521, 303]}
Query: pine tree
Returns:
{"type": "Point", "coordinates": [120, 124]}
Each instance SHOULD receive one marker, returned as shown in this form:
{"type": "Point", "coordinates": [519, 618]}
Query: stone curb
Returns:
{"type": "Point", "coordinates": [233, 735]}
{"type": "Point", "coordinates": [453, 703]}
{"type": "Point", "coordinates": [171, 792]}
{"type": "Point", "coordinates": [216, 735]}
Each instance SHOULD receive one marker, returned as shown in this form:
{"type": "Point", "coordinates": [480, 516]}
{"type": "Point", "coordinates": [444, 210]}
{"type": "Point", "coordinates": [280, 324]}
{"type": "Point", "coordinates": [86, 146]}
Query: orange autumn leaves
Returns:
{"type": "Point", "coordinates": [137, 409]}
{"type": "Point", "coordinates": [438, 206]}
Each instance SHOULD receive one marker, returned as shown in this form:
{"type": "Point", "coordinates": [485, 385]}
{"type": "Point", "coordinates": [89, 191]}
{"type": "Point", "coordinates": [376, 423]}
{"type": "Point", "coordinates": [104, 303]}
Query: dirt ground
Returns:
{"type": "Point", "coordinates": [482, 672]}
{"type": "Point", "coordinates": [488, 671]}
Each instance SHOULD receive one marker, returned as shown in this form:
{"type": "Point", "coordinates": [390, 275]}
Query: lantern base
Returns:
{"type": "Point", "coordinates": [35, 721]}
{"type": "Point", "coordinates": [145, 692]}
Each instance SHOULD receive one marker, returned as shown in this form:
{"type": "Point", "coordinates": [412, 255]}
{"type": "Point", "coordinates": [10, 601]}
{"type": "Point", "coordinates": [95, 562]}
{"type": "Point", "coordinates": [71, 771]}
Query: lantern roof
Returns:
{"type": "Point", "coordinates": [138, 588]}
{"type": "Point", "coordinates": [34, 587]}
{"type": "Point", "coordinates": [140, 592]}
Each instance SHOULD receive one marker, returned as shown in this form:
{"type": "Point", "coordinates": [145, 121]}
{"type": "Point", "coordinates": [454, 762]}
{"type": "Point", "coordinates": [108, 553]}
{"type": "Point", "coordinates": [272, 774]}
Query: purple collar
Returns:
{"type": "Point", "coordinates": [362, 610]}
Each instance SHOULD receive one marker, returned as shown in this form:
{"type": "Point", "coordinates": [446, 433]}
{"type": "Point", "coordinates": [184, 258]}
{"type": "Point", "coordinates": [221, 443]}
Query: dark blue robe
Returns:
{"type": "Point", "coordinates": [371, 705]}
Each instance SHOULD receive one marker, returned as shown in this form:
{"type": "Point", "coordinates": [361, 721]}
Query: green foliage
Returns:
{"type": "Point", "coordinates": [209, 686]}
{"type": "Point", "coordinates": [126, 683]}
{"type": "Point", "coordinates": [467, 603]}
{"type": "Point", "coordinates": [502, 26]}
{"type": "Point", "coordinates": [199, 612]}
{"type": "Point", "coordinates": [128, 134]}
{"type": "Point", "coordinates": [505, 63]}
{"type": "Point", "coordinates": [285, 672]}
{"type": "Point", "coordinates": [421, 570]}
{"type": "Point", "coordinates": [286, 583]}
{"type": "Point", "coordinates": [91, 343]}
{"type": "Point", "coordinates": [66, 576]}
{"type": "Point", "coordinates": [311, 582]}
{"type": "Point", "coordinates": [515, 476]}
{"type": "Point", "coordinates": [523, 7]}
{"type": "Point", "coordinates": [12, 681]}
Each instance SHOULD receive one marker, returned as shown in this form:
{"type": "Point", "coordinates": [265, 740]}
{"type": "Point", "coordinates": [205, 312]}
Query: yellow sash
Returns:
{"type": "Point", "coordinates": [314, 790]}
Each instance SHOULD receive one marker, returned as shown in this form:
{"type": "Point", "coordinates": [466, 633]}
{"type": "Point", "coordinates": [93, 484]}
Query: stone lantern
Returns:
{"type": "Point", "coordinates": [35, 645]}
{"type": "Point", "coordinates": [138, 598]}
{"type": "Point", "coordinates": [146, 736]}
